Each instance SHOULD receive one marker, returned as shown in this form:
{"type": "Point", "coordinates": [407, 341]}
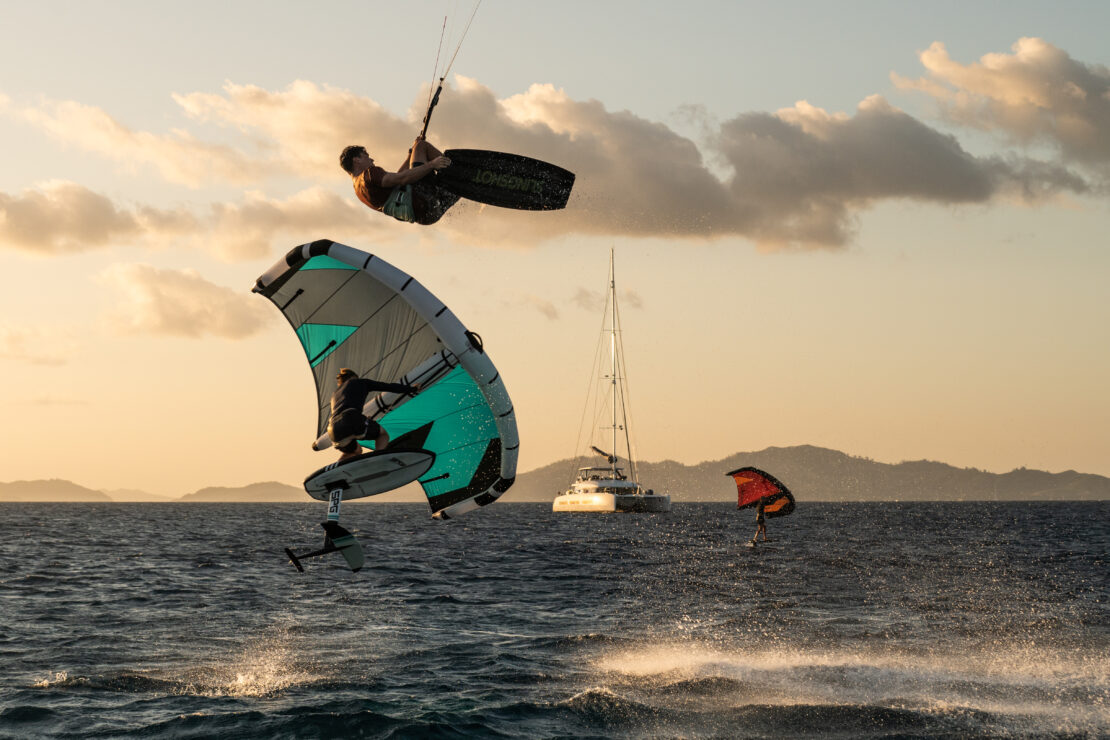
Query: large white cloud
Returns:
{"type": "Point", "coordinates": [248, 228]}
{"type": "Point", "coordinates": [797, 177]}
{"type": "Point", "coordinates": [302, 129]}
{"type": "Point", "coordinates": [178, 155]}
{"type": "Point", "coordinates": [1037, 93]}
{"type": "Point", "coordinates": [64, 217]}
{"type": "Point", "coordinates": [180, 303]}
{"type": "Point", "coordinates": [802, 173]}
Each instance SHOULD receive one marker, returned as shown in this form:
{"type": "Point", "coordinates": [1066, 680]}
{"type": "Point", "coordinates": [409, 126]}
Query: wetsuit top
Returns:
{"type": "Point", "coordinates": [369, 189]}
{"type": "Point", "coordinates": [352, 393]}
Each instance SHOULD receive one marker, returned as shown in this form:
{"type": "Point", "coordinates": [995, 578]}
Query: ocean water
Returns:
{"type": "Point", "coordinates": [857, 621]}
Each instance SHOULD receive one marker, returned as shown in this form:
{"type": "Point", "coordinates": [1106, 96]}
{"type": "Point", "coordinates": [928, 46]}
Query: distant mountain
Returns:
{"type": "Point", "coordinates": [53, 490]}
{"type": "Point", "coordinates": [818, 474]}
{"type": "Point", "coordinates": [131, 495]}
{"type": "Point", "coordinates": [269, 492]}
{"type": "Point", "coordinates": [58, 491]}
{"type": "Point", "coordinates": [812, 473]}
{"type": "Point", "coordinates": [280, 493]}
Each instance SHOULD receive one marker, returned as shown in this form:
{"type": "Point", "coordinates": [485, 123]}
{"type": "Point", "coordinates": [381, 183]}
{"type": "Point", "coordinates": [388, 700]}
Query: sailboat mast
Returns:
{"type": "Point", "coordinates": [613, 353]}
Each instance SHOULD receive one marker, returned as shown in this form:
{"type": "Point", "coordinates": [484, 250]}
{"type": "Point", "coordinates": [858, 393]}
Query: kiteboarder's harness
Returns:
{"type": "Point", "coordinates": [399, 204]}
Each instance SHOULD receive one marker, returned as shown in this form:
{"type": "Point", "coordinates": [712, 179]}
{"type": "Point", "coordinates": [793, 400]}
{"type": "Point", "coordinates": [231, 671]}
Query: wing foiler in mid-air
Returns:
{"type": "Point", "coordinates": [456, 436]}
{"type": "Point", "coordinates": [752, 485]}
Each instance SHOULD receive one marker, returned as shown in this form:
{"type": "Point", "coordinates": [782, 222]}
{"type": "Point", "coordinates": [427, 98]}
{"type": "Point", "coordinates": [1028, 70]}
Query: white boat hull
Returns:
{"type": "Point", "coordinates": [612, 502]}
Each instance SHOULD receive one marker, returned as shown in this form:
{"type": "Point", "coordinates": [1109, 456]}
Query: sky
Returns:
{"type": "Point", "coordinates": [871, 226]}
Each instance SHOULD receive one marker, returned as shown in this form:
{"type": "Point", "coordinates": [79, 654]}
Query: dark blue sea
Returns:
{"type": "Point", "coordinates": [856, 621]}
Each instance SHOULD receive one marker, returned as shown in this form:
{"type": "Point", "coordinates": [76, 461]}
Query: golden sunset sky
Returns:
{"type": "Point", "coordinates": [877, 227]}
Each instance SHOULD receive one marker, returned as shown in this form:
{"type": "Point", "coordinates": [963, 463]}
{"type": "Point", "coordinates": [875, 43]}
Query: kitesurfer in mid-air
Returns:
{"type": "Point", "coordinates": [348, 424]}
{"type": "Point", "coordinates": [409, 194]}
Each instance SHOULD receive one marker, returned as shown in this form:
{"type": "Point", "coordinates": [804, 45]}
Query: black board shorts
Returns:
{"type": "Point", "coordinates": [430, 200]}
{"type": "Point", "coordinates": [348, 427]}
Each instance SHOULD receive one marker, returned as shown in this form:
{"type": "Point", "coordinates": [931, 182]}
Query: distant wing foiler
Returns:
{"type": "Point", "coordinates": [752, 484]}
{"type": "Point", "coordinates": [352, 309]}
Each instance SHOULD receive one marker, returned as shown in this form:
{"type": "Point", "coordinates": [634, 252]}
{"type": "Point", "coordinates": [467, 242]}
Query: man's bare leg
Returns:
{"type": "Point", "coordinates": [422, 152]}
{"type": "Point", "coordinates": [381, 441]}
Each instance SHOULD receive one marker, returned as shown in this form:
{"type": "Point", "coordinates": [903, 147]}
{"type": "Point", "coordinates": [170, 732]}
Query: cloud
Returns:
{"type": "Point", "coordinates": [180, 303]}
{"type": "Point", "coordinates": [797, 177]}
{"type": "Point", "coordinates": [63, 217]}
{"type": "Point", "coordinates": [519, 301]}
{"type": "Point", "coordinates": [302, 129]}
{"type": "Point", "coordinates": [544, 306]}
{"type": "Point", "coordinates": [179, 156]}
{"type": "Point", "coordinates": [596, 301]}
{"type": "Point", "coordinates": [1038, 93]}
{"type": "Point", "coordinates": [634, 176]}
{"type": "Point", "coordinates": [37, 345]}
{"type": "Point", "coordinates": [802, 174]}
{"type": "Point", "coordinates": [631, 299]}
{"type": "Point", "coordinates": [298, 131]}
{"type": "Point", "coordinates": [245, 230]}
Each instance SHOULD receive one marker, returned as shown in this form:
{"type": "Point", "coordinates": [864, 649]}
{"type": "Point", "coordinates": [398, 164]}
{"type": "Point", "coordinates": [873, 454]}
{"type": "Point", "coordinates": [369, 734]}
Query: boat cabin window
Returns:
{"type": "Point", "coordinates": [601, 474]}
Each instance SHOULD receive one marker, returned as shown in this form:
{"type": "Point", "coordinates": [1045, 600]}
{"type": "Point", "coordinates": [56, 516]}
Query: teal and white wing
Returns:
{"type": "Point", "coordinates": [353, 309]}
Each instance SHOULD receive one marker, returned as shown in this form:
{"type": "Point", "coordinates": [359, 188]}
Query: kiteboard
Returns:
{"type": "Point", "coordinates": [369, 474]}
{"type": "Point", "coordinates": [506, 180]}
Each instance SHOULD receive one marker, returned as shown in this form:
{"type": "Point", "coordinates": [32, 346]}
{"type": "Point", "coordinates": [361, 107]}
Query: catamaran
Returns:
{"type": "Point", "coordinates": [613, 486]}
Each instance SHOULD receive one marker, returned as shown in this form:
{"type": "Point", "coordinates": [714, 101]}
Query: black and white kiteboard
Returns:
{"type": "Point", "coordinates": [506, 180]}
{"type": "Point", "coordinates": [369, 474]}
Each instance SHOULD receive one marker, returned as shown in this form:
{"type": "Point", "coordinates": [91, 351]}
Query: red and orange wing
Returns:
{"type": "Point", "coordinates": [753, 485]}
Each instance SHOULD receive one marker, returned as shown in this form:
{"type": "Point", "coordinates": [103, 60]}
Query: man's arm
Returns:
{"type": "Point", "coordinates": [376, 385]}
{"type": "Point", "coordinates": [411, 175]}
